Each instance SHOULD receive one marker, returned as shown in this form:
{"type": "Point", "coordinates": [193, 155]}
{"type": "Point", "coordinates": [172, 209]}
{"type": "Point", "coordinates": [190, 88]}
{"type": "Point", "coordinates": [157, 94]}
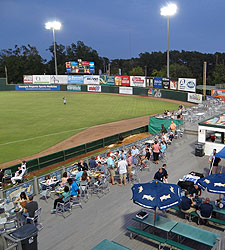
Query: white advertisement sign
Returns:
{"type": "Point", "coordinates": [58, 79]}
{"type": "Point", "coordinates": [94, 79]}
{"type": "Point", "coordinates": [173, 85]}
{"type": "Point", "coordinates": [187, 84]}
{"type": "Point", "coordinates": [126, 90]}
{"type": "Point", "coordinates": [27, 79]}
{"type": "Point", "coordinates": [138, 81]}
{"type": "Point", "coordinates": [94, 88]}
{"type": "Point", "coordinates": [41, 79]}
{"type": "Point", "coordinates": [195, 98]}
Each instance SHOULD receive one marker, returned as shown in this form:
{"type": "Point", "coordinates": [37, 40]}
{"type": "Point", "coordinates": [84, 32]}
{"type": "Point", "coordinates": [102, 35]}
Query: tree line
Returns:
{"type": "Point", "coordinates": [26, 60]}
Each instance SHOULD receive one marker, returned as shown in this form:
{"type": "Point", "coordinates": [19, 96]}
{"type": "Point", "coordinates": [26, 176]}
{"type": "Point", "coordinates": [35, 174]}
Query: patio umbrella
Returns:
{"type": "Point", "coordinates": [156, 194]}
{"type": "Point", "coordinates": [214, 183]}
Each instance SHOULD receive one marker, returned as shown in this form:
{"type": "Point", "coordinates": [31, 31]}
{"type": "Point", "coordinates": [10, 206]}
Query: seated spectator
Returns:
{"type": "Point", "coordinates": [171, 136]}
{"type": "Point", "coordinates": [195, 192]}
{"type": "Point", "coordinates": [205, 210]}
{"type": "Point", "coordinates": [31, 207]}
{"type": "Point", "coordinates": [1, 175]}
{"type": "Point", "coordinates": [159, 175]}
{"type": "Point", "coordinates": [172, 116]}
{"type": "Point", "coordinates": [84, 178]}
{"type": "Point", "coordinates": [64, 179]}
{"type": "Point", "coordinates": [101, 168]}
{"type": "Point", "coordinates": [65, 194]}
{"type": "Point", "coordinates": [83, 165]}
{"type": "Point", "coordinates": [122, 165]}
{"type": "Point", "coordinates": [18, 176]}
{"type": "Point", "coordinates": [179, 116]}
{"type": "Point", "coordinates": [21, 199]}
{"type": "Point", "coordinates": [187, 205]}
{"type": "Point", "coordinates": [165, 174]}
{"type": "Point", "coordinates": [49, 179]}
{"type": "Point", "coordinates": [74, 189]}
{"type": "Point", "coordinates": [78, 175]}
{"type": "Point", "coordinates": [92, 163]}
{"type": "Point", "coordinates": [145, 158]}
{"type": "Point", "coordinates": [134, 151]}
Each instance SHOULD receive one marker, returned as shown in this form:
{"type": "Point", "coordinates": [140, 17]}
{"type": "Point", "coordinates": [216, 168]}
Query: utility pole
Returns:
{"type": "Point", "coordinates": [204, 79]}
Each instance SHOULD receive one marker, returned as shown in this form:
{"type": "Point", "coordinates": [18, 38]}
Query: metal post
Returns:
{"type": "Point", "coordinates": [168, 47]}
{"type": "Point", "coordinates": [204, 79]}
{"type": "Point", "coordinates": [56, 70]}
{"type": "Point", "coordinates": [35, 185]}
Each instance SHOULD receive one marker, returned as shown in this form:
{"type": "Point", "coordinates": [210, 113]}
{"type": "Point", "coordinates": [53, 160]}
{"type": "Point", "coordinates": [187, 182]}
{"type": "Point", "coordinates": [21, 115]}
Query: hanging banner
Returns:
{"type": "Point", "coordinates": [41, 79]}
{"type": "Point", "coordinates": [58, 79]}
{"type": "Point", "coordinates": [166, 83]}
{"type": "Point", "coordinates": [36, 87]}
{"type": "Point", "coordinates": [73, 87]}
{"type": "Point", "coordinates": [75, 79]}
{"type": "Point", "coordinates": [137, 81]}
{"type": "Point", "coordinates": [126, 90]}
{"type": "Point", "coordinates": [107, 80]}
{"type": "Point", "coordinates": [94, 88]}
{"type": "Point", "coordinates": [173, 85]}
{"type": "Point", "coordinates": [187, 84]}
{"type": "Point", "coordinates": [195, 98]}
{"type": "Point", "coordinates": [27, 79]}
{"type": "Point", "coordinates": [122, 80]}
{"type": "Point", "coordinates": [157, 82]}
{"type": "Point", "coordinates": [94, 79]}
{"type": "Point", "coordinates": [218, 93]}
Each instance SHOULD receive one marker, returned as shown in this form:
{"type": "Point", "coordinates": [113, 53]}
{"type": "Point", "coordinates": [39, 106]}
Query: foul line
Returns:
{"type": "Point", "coordinates": [41, 136]}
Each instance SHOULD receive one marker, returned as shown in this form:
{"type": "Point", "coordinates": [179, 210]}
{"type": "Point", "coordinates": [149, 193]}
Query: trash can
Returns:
{"type": "Point", "coordinates": [199, 149]}
{"type": "Point", "coordinates": [27, 235]}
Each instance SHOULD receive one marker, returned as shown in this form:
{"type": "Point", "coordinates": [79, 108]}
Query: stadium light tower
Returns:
{"type": "Point", "coordinates": [54, 26]}
{"type": "Point", "coordinates": [169, 10]}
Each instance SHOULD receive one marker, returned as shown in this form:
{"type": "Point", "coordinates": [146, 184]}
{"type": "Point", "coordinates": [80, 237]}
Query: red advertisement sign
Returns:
{"type": "Point", "coordinates": [27, 79]}
{"type": "Point", "coordinates": [122, 80]}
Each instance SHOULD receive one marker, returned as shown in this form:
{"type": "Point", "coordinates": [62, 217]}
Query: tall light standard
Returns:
{"type": "Point", "coordinates": [168, 11]}
{"type": "Point", "coordinates": [54, 26]}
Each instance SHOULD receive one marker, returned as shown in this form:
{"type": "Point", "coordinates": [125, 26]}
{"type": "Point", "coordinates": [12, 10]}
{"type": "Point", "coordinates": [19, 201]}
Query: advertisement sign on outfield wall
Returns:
{"type": "Point", "coordinates": [157, 82]}
{"type": "Point", "coordinates": [187, 84]}
{"type": "Point", "coordinates": [126, 90]}
{"type": "Point", "coordinates": [75, 79]}
{"type": "Point", "coordinates": [58, 79]}
{"type": "Point", "coordinates": [166, 83]}
{"type": "Point", "coordinates": [137, 81]}
{"type": "Point", "coordinates": [173, 85]}
{"type": "Point", "coordinates": [107, 80]}
{"type": "Point", "coordinates": [195, 98]}
{"type": "Point", "coordinates": [218, 93]}
{"type": "Point", "coordinates": [36, 87]}
{"type": "Point", "coordinates": [94, 88]}
{"type": "Point", "coordinates": [93, 79]}
{"type": "Point", "coordinates": [41, 79]}
{"type": "Point", "coordinates": [27, 79]}
{"type": "Point", "coordinates": [73, 87]}
{"type": "Point", "coordinates": [122, 80]}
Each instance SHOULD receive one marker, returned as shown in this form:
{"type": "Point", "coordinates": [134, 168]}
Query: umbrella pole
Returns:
{"type": "Point", "coordinates": [219, 199]}
{"type": "Point", "coordinates": [155, 217]}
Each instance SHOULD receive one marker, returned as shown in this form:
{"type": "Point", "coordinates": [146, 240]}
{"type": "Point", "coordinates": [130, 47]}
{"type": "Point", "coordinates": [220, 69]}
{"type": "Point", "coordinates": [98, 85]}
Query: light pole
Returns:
{"type": "Point", "coordinates": [168, 11]}
{"type": "Point", "coordinates": [54, 26]}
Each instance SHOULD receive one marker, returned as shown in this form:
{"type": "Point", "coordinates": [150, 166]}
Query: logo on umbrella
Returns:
{"type": "Point", "coordinates": [148, 197]}
{"type": "Point", "coordinates": [165, 197]}
{"type": "Point", "coordinates": [219, 185]}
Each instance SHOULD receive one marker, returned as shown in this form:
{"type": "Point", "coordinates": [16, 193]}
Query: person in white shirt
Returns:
{"type": "Point", "coordinates": [135, 153]}
{"type": "Point", "coordinates": [18, 175]}
{"type": "Point", "coordinates": [122, 165]}
{"type": "Point", "coordinates": [24, 166]}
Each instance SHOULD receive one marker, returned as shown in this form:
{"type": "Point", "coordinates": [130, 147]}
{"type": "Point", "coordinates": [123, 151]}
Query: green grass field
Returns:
{"type": "Point", "coordinates": [33, 121]}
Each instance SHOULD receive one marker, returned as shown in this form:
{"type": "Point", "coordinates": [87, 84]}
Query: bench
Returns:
{"type": "Point", "coordinates": [158, 239]}
{"type": "Point", "coordinates": [109, 245]}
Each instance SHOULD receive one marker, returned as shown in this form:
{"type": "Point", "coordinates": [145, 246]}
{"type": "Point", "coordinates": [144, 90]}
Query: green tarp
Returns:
{"type": "Point", "coordinates": [154, 125]}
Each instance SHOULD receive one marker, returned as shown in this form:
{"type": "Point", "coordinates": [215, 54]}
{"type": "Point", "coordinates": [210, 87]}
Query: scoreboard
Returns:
{"type": "Point", "coordinates": [80, 67]}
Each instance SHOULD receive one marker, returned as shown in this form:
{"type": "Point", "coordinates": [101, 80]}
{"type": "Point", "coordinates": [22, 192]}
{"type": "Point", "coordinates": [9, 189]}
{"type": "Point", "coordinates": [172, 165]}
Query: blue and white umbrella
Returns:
{"type": "Point", "coordinates": [214, 183]}
{"type": "Point", "coordinates": [156, 194]}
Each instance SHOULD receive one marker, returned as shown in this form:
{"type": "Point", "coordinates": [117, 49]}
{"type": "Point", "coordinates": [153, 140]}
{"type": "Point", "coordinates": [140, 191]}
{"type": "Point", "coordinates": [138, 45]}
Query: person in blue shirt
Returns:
{"type": "Point", "coordinates": [205, 210]}
{"type": "Point", "coordinates": [74, 189]}
{"type": "Point", "coordinates": [111, 168]}
{"type": "Point", "coordinates": [187, 204]}
{"type": "Point", "coordinates": [92, 163]}
{"type": "Point", "coordinates": [78, 175]}
{"type": "Point", "coordinates": [65, 194]}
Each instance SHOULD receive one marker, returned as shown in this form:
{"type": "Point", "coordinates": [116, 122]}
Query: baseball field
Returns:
{"type": "Point", "coordinates": [33, 121]}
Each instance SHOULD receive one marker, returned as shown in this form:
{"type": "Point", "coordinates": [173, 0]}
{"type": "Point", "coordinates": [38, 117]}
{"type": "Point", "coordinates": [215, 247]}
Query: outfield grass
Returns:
{"type": "Point", "coordinates": [27, 119]}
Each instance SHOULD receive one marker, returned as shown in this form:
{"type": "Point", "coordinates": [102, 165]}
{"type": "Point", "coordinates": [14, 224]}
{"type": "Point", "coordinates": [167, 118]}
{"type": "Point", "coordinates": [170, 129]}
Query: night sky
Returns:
{"type": "Point", "coordinates": [116, 28]}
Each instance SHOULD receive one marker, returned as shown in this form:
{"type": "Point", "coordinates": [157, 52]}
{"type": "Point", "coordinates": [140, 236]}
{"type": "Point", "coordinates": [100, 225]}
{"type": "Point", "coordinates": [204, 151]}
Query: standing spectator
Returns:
{"type": "Point", "coordinates": [64, 100]}
{"type": "Point", "coordinates": [92, 163]}
{"type": "Point", "coordinates": [135, 154]}
{"type": "Point", "coordinates": [163, 129]}
{"type": "Point", "coordinates": [159, 175]}
{"type": "Point", "coordinates": [165, 174]}
{"type": "Point", "coordinates": [163, 147]}
{"type": "Point", "coordinates": [122, 165]}
{"type": "Point", "coordinates": [24, 166]}
{"type": "Point", "coordinates": [111, 168]}
{"type": "Point", "coordinates": [155, 149]}
{"type": "Point", "coordinates": [211, 159]}
{"type": "Point", "coordinates": [129, 166]}
{"type": "Point", "coordinates": [172, 127]}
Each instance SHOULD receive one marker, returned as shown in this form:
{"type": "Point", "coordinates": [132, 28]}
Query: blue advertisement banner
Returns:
{"type": "Point", "coordinates": [36, 87]}
{"type": "Point", "coordinates": [12, 193]}
{"type": "Point", "coordinates": [75, 79]}
{"type": "Point", "coordinates": [157, 82]}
